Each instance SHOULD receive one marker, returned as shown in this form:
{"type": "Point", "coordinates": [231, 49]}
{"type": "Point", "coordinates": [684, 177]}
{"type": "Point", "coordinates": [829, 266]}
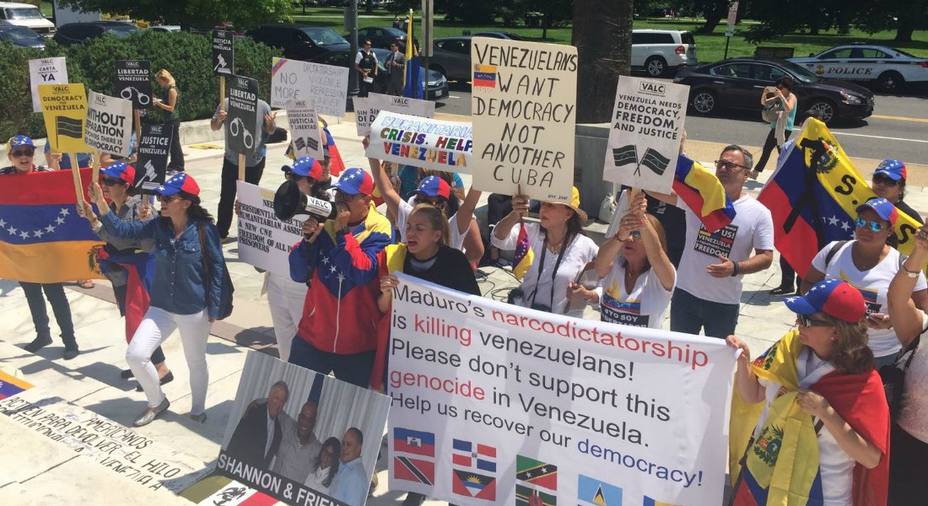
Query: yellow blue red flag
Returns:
{"type": "Point", "coordinates": [703, 193]}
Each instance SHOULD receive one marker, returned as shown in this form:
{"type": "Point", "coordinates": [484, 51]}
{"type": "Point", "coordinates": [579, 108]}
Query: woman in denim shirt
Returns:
{"type": "Point", "coordinates": [179, 295]}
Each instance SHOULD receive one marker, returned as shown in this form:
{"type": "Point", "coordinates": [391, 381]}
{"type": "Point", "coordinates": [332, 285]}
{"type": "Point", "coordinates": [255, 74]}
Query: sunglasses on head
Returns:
{"type": "Point", "coordinates": [110, 181]}
{"type": "Point", "coordinates": [23, 152]}
{"type": "Point", "coordinates": [872, 225]}
{"type": "Point", "coordinates": [807, 321]}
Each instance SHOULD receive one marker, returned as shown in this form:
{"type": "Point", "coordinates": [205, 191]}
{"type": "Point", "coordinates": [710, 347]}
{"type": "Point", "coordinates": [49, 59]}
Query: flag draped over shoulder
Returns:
{"type": "Point", "coordinates": [813, 196]}
{"type": "Point", "coordinates": [781, 465]}
{"type": "Point", "coordinates": [524, 255]}
{"type": "Point", "coordinates": [140, 269]}
{"type": "Point", "coordinates": [42, 239]}
{"type": "Point", "coordinates": [702, 192]}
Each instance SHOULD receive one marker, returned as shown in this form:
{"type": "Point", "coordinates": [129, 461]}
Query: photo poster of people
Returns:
{"type": "Point", "coordinates": [298, 436]}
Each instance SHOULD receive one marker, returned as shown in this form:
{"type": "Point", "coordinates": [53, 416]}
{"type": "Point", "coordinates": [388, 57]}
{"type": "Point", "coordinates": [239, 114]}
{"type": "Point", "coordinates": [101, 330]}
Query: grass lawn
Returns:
{"type": "Point", "coordinates": [710, 47]}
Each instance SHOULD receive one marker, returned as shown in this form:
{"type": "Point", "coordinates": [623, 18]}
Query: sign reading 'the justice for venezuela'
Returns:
{"type": "Point", "coordinates": [524, 112]}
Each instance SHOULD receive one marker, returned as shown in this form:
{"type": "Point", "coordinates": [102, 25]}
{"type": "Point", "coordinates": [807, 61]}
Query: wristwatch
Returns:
{"type": "Point", "coordinates": [909, 273]}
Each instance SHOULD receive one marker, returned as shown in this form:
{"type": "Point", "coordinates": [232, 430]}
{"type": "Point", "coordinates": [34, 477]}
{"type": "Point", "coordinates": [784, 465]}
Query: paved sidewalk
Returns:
{"type": "Point", "coordinates": [42, 471]}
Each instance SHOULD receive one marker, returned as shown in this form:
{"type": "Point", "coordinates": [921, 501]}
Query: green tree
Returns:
{"type": "Point", "coordinates": [602, 33]}
{"type": "Point", "coordinates": [905, 16]}
{"type": "Point", "coordinates": [241, 13]}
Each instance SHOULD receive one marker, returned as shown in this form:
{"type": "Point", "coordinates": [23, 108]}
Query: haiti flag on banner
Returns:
{"type": "Point", "coordinates": [813, 196]}
{"type": "Point", "coordinates": [42, 239]}
{"type": "Point", "coordinates": [702, 192]}
{"type": "Point", "coordinates": [420, 466]}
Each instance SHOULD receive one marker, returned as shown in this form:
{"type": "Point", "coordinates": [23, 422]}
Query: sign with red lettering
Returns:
{"type": "Point", "coordinates": [421, 142]}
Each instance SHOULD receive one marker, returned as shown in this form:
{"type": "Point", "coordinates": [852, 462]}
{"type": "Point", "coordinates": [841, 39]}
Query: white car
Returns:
{"type": "Point", "coordinates": [890, 69]}
{"type": "Point", "coordinates": [27, 16]}
{"type": "Point", "coordinates": [657, 51]}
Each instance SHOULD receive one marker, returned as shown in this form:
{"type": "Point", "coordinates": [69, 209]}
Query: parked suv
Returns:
{"type": "Point", "coordinates": [27, 16]}
{"type": "Point", "coordinates": [657, 51]}
{"type": "Point", "coordinates": [301, 42]}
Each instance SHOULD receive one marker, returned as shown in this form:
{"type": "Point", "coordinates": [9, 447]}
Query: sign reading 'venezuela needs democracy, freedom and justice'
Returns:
{"type": "Point", "coordinates": [325, 85]}
{"type": "Point", "coordinates": [421, 142]}
{"type": "Point", "coordinates": [244, 123]}
{"type": "Point", "coordinates": [499, 404]}
{"type": "Point", "coordinates": [264, 240]}
{"type": "Point", "coordinates": [645, 133]}
{"type": "Point", "coordinates": [109, 124]}
{"type": "Point", "coordinates": [45, 71]}
{"type": "Point", "coordinates": [223, 53]}
{"type": "Point", "coordinates": [523, 107]}
{"type": "Point", "coordinates": [152, 163]}
{"type": "Point", "coordinates": [133, 82]}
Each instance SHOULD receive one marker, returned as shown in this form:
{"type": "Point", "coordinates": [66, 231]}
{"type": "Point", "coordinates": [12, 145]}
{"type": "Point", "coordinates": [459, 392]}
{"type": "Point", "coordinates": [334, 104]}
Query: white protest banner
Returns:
{"type": "Point", "coordinates": [366, 109]}
{"type": "Point", "coordinates": [421, 142]}
{"type": "Point", "coordinates": [495, 403]}
{"type": "Point", "coordinates": [644, 139]}
{"type": "Point", "coordinates": [325, 85]}
{"type": "Point", "coordinates": [305, 134]}
{"type": "Point", "coordinates": [109, 124]}
{"type": "Point", "coordinates": [524, 111]}
{"type": "Point", "coordinates": [45, 71]}
{"type": "Point", "coordinates": [264, 241]}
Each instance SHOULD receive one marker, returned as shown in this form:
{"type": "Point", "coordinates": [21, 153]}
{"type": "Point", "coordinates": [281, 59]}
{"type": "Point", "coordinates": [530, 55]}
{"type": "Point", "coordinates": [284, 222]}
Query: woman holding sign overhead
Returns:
{"type": "Point", "coordinates": [561, 251]}
{"type": "Point", "coordinates": [168, 104]}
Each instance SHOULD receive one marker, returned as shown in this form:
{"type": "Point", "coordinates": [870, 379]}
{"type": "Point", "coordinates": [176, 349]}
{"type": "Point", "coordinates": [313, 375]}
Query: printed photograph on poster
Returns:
{"type": "Point", "coordinates": [152, 163]}
{"type": "Point", "coordinates": [326, 86]}
{"type": "Point", "coordinates": [305, 134]}
{"type": "Point", "coordinates": [264, 240]}
{"type": "Point", "coordinates": [421, 142]}
{"type": "Point", "coordinates": [645, 134]}
{"type": "Point", "coordinates": [64, 109]}
{"type": "Point", "coordinates": [523, 107]}
{"type": "Point", "coordinates": [244, 123]}
{"type": "Point", "coordinates": [109, 124]}
{"type": "Point", "coordinates": [45, 71]}
{"type": "Point", "coordinates": [133, 82]}
{"type": "Point", "coordinates": [223, 53]}
{"type": "Point", "coordinates": [367, 109]}
{"type": "Point", "coordinates": [496, 403]}
{"type": "Point", "coordinates": [300, 436]}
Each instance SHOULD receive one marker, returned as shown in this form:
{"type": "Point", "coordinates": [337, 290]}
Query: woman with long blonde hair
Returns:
{"type": "Point", "coordinates": [168, 104]}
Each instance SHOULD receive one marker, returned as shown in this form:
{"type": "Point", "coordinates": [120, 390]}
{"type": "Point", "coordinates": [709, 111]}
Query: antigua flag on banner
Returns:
{"type": "Point", "coordinates": [42, 239]}
{"type": "Point", "coordinates": [474, 470]}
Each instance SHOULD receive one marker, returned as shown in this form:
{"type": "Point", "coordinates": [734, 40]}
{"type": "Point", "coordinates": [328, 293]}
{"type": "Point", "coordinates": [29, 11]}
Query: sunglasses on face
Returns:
{"type": "Point", "coordinates": [872, 225]}
{"type": "Point", "coordinates": [807, 321]}
{"type": "Point", "coordinates": [167, 200]}
{"type": "Point", "coordinates": [726, 165]}
{"type": "Point", "coordinates": [23, 152]}
{"type": "Point", "coordinates": [108, 181]}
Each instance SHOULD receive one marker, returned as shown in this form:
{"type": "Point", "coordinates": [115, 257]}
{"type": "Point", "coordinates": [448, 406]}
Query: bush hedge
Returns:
{"type": "Point", "coordinates": [187, 56]}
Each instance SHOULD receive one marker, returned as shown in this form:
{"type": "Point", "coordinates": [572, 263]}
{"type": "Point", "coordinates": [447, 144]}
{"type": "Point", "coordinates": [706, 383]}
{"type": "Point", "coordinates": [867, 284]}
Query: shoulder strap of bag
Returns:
{"type": "Point", "coordinates": [834, 251]}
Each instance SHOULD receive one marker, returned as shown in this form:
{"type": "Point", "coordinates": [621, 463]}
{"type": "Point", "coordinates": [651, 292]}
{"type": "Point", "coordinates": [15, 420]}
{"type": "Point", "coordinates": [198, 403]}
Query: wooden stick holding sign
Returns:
{"type": "Point", "coordinates": [222, 93]}
{"type": "Point", "coordinates": [76, 177]}
{"type": "Point", "coordinates": [241, 166]}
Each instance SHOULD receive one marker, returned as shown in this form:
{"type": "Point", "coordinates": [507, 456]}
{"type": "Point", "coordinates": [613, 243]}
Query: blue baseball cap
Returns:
{"type": "Point", "coordinates": [354, 181]}
{"type": "Point", "coordinates": [833, 297]}
{"type": "Point", "coordinates": [893, 169]}
{"type": "Point", "coordinates": [119, 170]}
{"type": "Point", "coordinates": [307, 166]}
{"type": "Point", "coordinates": [883, 208]}
{"type": "Point", "coordinates": [21, 140]}
{"type": "Point", "coordinates": [180, 182]}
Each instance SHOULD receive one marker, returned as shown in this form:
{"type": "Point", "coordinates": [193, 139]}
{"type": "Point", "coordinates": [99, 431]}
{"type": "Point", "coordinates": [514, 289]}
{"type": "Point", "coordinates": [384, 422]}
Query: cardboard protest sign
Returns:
{"type": "Point", "coordinates": [325, 85]}
{"type": "Point", "coordinates": [244, 123]}
{"type": "Point", "coordinates": [264, 240]}
{"type": "Point", "coordinates": [285, 417]}
{"type": "Point", "coordinates": [223, 53]}
{"type": "Point", "coordinates": [499, 403]}
{"type": "Point", "coordinates": [421, 142]}
{"type": "Point", "coordinates": [524, 111]}
{"type": "Point", "coordinates": [366, 109]}
{"type": "Point", "coordinates": [64, 108]}
{"type": "Point", "coordinates": [644, 139]}
{"type": "Point", "coordinates": [133, 82]}
{"type": "Point", "coordinates": [109, 124]}
{"type": "Point", "coordinates": [45, 71]}
{"type": "Point", "coordinates": [305, 134]}
{"type": "Point", "coordinates": [154, 148]}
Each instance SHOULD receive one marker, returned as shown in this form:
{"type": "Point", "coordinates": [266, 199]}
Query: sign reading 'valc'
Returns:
{"type": "Point", "coordinates": [644, 140]}
{"type": "Point", "coordinates": [243, 121]}
{"type": "Point", "coordinates": [64, 109]}
{"type": "Point", "coordinates": [524, 113]}
{"type": "Point", "coordinates": [133, 82]}
{"type": "Point", "coordinates": [223, 53]}
{"type": "Point", "coordinates": [367, 108]}
{"type": "Point", "coordinates": [305, 134]}
{"type": "Point", "coordinates": [45, 71]}
{"type": "Point", "coordinates": [154, 147]}
{"type": "Point", "coordinates": [109, 124]}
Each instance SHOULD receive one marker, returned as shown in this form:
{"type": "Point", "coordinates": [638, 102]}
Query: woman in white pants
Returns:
{"type": "Point", "coordinates": [185, 291]}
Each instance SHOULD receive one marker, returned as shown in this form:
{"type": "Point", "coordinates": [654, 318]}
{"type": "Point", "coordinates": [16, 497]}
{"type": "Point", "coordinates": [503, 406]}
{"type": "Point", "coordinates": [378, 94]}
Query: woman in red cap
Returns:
{"type": "Point", "coordinates": [815, 385]}
{"type": "Point", "coordinates": [186, 290]}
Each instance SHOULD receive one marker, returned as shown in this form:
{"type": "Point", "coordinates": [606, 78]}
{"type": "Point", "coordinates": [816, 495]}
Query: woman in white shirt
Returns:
{"type": "Point", "coordinates": [909, 449]}
{"type": "Point", "coordinates": [323, 470]}
{"type": "Point", "coordinates": [561, 251]}
{"type": "Point", "coordinates": [637, 277]}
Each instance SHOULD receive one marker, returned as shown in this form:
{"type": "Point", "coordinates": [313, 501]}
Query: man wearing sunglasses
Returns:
{"type": "Point", "coordinates": [708, 292]}
{"type": "Point", "coordinates": [889, 182]}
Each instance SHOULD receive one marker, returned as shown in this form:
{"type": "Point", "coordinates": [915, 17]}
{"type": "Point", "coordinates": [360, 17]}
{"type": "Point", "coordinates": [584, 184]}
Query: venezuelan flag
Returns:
{"type": "Point", "coordinates": [336, 164]}
{"type": "Point", "coordinates": [484, 76]}
{"type": "Point", "coordinates": [140, 269]}
{"type": "Point", "coordinates": [524, 255]}
{"type": "Point", "coordinates": [42, 239]}
{"type": "Point", "coordinates": [702, 192]}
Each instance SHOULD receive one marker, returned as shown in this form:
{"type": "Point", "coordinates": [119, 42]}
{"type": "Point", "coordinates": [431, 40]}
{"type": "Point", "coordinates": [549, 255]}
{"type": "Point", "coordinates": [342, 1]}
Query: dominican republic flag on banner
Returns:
{"type": "Point", "coordinates": [473, 472]}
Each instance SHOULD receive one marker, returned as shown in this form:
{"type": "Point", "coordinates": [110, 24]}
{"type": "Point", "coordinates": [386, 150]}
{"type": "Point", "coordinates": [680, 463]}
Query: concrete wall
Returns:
{"type": "Point", "coordinates": [589, 157]}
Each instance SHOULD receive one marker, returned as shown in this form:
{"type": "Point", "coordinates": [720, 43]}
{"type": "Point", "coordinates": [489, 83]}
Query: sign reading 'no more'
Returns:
{"type": "Point", "coordinates": [243, 122]}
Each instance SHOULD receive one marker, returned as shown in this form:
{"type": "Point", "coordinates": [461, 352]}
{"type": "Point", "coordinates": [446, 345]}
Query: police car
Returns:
{"type": "Point", "coordinates": [889, 69]}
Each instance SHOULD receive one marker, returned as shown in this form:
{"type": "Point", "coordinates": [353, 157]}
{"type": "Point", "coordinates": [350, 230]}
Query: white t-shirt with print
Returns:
{"type": "Point", "coordinates": [581, 251]}
{"type": "Point", "coordinates": [455, 237]}
{"type": "Point", "coordinates": [752, 228]}
{"type": "Point", "coordinates": [643, 307]}
{"type": "Point", "coordinates": [873, 284]}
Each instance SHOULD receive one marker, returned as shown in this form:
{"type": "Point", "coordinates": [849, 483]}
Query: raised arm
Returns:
{"type": "Point", "coordinates": [657, 257]}
{"type": "Point", "coordinates": [465, 213]}
{"type": "Point", "coordinates": [519, 210]}
{"type": "Point", "coordinates": [907, 319]}
{"type": "Point", "coordinates": [382, 181]}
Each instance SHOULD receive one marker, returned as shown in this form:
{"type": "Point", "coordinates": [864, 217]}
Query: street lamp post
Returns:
{"type": "Point", "coordinates": [352, 21]}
